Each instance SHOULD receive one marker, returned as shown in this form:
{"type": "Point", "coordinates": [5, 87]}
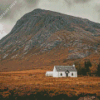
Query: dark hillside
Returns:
{"type": "Point", "coordinates": [42, 31]}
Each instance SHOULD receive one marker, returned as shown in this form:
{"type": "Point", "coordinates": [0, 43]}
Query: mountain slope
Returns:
{"type": "Point", "coordinates": [42, 31]}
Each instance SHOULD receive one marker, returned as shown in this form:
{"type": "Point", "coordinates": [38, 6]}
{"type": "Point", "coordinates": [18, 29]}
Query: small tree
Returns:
{"type": "Point", "coordinates": [93, 68]}
{"type": "Point", "coordinates": [83, 71]}
{"type": "Point", "coordinates": [98, 70]}
{"type": "Point", "coordinates": [87, 66]}
{"type": "Point", "coordinates": [80, 69]}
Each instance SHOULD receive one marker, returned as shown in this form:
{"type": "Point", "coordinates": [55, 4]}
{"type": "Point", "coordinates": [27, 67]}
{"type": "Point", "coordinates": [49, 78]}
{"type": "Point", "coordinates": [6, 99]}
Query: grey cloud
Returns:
{"type": "Point", "coordinates": [31, 1]}
{"type": "Point", "coordinates": [21, 7]}
{"type": "Point", "coordinates": [4, 4]}
{"type": "Point", "coordinates": [81, 1]}
{"type": "Point", "coordinates": [3, 7]}
{"type": "Point", "coordinates": [71, 2]}
{"type": "Point", "coordinates": [97, 8]}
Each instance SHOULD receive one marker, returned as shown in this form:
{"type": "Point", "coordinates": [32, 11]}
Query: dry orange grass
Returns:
{"type": "Point", "coordinates": [35, 80]}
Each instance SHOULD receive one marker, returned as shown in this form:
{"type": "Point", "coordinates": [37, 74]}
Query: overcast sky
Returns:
{"type": "Point", "coordinates": [12, 10]}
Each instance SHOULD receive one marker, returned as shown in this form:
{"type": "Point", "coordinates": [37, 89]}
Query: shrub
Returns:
{"type": "Point", "coordinates": [98, 70]}
{"type": "Point", "coordinates": [87, 65]}
{"type": "Point", "coordinates": [80, 69]}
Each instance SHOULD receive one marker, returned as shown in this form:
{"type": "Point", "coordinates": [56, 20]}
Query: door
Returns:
{"type": "Point", "coordinates": [66, 74]}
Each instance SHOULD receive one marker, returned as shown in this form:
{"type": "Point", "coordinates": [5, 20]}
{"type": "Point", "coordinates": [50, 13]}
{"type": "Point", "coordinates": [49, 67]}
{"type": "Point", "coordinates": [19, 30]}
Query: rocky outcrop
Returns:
{"type": "Point", "coordinates": [45, 30]}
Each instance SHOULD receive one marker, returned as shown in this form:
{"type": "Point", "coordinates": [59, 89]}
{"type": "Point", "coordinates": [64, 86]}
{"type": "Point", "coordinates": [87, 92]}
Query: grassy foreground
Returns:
{"type": "Point", "coordinates": [29, 82]}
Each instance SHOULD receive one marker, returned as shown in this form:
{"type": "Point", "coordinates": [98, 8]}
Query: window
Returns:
{"type": "Point", "coordinates": [72, 74]}
{"type": "Point", "coordinates": [60, 74]}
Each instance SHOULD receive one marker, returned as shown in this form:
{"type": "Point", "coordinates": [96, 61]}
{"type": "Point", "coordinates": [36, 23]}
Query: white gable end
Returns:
{"type": "Point", "coordinates": [54, 69]}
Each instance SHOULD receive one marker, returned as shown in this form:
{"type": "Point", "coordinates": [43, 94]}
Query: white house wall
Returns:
{"type": "Point", "coordinates": [63, 74]}
{"type": "Point", "coordinates": [58, 74]}
{"type": "Point", "coordinates": [74, 74]}
{"type": "Point", "coordinates": [55, 74]}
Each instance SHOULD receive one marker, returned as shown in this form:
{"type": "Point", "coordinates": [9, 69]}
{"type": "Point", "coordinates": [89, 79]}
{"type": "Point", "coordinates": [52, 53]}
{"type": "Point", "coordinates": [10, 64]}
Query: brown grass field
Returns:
{"type": "Point", "coordinates": [33, 81]}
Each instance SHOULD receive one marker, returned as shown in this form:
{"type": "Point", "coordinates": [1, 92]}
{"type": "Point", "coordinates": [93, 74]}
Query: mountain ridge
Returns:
{"type": "Point", "coordinates": [44, 32]}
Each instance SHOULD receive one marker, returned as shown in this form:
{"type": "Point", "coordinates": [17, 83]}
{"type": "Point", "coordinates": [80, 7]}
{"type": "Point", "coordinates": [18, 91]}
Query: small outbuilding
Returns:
{"type": "Point", "coordinates": [63, 71]}
{"type": "Point", "coordinates": [49, 73]}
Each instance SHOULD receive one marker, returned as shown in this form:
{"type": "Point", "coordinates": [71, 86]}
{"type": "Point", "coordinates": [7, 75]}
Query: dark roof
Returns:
{"type": "Point", "coordinates": [65, 68]}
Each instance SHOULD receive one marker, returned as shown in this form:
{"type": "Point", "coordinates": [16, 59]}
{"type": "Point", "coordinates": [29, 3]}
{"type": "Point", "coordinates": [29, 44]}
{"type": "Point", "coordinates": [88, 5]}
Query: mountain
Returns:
{"type": "Point", "coordinates": [45, 38]}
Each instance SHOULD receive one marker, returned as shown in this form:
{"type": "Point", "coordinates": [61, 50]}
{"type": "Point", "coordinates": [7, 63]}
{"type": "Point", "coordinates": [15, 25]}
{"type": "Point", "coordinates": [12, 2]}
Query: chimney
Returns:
{"type": "Point", "coordinates": [74, 65]}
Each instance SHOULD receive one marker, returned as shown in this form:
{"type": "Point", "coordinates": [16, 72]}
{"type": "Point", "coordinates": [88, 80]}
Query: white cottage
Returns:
{"type": "Point", "coordinates": [63, 71]}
